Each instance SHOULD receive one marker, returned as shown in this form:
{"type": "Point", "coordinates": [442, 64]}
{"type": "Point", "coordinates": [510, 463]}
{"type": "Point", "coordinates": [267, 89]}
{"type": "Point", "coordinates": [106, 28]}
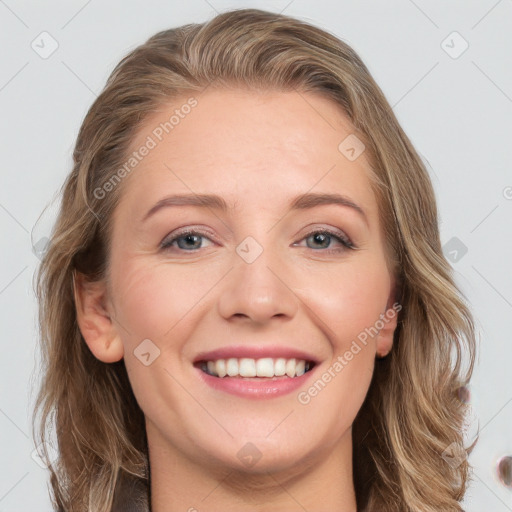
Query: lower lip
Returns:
{"type": "Point", "coordinates": [252, 388]}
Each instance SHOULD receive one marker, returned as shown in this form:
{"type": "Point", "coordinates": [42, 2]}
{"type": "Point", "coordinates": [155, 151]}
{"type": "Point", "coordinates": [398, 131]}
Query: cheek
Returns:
{"type": "Point", "coordinates": [348, 308]}
{"type": "Point", "coordinates": [350, 301]}
{"type": "Point", "coordinates": [156, 302]}
{"type": "Point", "coordinates": [152, 299]}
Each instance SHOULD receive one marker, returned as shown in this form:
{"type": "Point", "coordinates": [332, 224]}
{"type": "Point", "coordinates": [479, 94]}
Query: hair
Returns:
{"type": "Point", "coordinates": [412, 412]}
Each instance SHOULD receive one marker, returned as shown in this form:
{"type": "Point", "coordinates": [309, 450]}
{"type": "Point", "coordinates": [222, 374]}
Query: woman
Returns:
{"type": "Point", "coordinates": [245, 305]}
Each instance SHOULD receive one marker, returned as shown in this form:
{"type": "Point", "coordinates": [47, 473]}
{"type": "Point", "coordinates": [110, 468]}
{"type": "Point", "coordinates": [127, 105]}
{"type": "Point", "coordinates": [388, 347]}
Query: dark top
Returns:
{"type": "Point", "coordinates": [131, 495]}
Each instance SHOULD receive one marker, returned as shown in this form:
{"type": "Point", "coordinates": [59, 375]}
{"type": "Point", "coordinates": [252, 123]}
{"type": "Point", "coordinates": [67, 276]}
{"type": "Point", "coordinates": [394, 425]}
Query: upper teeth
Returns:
{"type": "Point", "coordinates": [265, 367]}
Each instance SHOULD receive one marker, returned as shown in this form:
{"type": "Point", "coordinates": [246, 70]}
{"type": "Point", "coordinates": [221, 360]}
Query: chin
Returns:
{"type": "Point", "coordinates": [260, 455]}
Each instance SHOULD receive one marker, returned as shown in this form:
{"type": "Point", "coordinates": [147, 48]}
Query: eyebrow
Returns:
{"type": "Point", "coordinates": [215, 202]}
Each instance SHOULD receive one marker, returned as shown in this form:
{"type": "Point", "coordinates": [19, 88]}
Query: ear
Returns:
{"type": "Point", "coordinates": [390, 320]}
{"type": "Point", "coordinates": [95, 321]}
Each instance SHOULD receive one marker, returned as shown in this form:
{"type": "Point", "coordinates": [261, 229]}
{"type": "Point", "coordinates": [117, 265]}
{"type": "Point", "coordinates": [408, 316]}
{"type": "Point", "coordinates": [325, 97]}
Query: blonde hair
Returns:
{"type": "Point", "coordinates": [411, 413]}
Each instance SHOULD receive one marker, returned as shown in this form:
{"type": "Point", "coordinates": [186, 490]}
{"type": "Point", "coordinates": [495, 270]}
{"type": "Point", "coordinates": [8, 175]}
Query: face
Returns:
{"type": "Point", "coordinates": [276, 282]}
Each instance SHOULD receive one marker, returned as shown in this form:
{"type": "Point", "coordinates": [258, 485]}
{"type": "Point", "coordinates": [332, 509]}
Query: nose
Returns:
{"type": "Point", "coordinates": [259, 291]}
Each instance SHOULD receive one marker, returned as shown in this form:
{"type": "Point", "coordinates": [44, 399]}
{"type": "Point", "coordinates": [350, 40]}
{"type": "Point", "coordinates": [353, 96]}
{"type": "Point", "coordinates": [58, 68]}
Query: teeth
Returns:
{"type": "Point", "coordinates": [264, 367]}
{"type": "Point", "coordinates": [280, 367]}
{"type": "Point", "coordinates": [290, 367]}
{"type": "Point", "coordinates": [232, 367]}
{"type": "Point", "coordinates": [248, 368]}
{"type": "Point", "coordinates": [220, 368]}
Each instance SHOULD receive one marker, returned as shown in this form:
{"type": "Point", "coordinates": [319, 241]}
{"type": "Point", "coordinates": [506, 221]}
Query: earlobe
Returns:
{"type": "Point", "coordinates": [94, 320]}
{"type": "Point", "coordinates": [387, 326]}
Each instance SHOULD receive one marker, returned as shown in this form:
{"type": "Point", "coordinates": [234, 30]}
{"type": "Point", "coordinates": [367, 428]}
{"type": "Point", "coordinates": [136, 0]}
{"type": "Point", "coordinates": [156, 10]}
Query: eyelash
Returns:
{"type": "Point", "coordinates": [340, 237]}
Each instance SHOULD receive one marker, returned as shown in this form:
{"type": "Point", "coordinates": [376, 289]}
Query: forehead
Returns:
{"type": "Point", "coordinates": [243, 144]}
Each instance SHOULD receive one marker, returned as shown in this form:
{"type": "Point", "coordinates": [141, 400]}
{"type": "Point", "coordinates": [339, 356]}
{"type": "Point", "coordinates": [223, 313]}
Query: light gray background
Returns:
{"type": "Point", "coordinates": [457, 112]}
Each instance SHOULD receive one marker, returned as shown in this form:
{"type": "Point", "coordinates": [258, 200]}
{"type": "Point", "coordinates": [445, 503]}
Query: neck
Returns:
{"type": "Point", "coordinates": [322, 482]}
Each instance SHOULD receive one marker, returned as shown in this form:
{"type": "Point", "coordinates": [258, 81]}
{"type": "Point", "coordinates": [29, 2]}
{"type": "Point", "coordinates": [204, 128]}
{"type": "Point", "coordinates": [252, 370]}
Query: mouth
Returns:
{"type": "Point", "coordinates": [255, 369]}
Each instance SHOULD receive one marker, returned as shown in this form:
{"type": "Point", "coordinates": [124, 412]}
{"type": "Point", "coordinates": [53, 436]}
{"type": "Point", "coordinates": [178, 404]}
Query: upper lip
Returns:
{"type": "Point", "coordinates": [255, 352]}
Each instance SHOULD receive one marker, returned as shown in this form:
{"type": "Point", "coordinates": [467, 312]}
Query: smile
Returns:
{"type": "Point", "coordinates": [255, 371]}
{"type": "Point", "coordinates": [265, 367]}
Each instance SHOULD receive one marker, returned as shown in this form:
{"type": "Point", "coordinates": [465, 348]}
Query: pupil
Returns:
{"type": "Point", "coordinates": [189, 240]}
{"type": "Point", "coordinates": [320, 238]}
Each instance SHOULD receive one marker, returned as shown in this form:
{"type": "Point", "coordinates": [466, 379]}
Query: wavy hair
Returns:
{"type": "Point", "coordinates": [412, 412]}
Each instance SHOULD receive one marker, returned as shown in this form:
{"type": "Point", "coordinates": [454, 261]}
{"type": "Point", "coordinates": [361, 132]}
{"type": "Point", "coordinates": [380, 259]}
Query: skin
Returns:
{"type": "Point", "coordinates": [258, 151]}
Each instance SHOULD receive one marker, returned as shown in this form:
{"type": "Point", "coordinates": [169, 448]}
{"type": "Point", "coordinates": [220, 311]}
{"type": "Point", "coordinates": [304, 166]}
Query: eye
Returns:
{"type": "Point", "coordinates": [190, 240]}
{"type": "Point", "coordinates": [324, 237]}
{"type": "Point", "coordinates": [186, 240]}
